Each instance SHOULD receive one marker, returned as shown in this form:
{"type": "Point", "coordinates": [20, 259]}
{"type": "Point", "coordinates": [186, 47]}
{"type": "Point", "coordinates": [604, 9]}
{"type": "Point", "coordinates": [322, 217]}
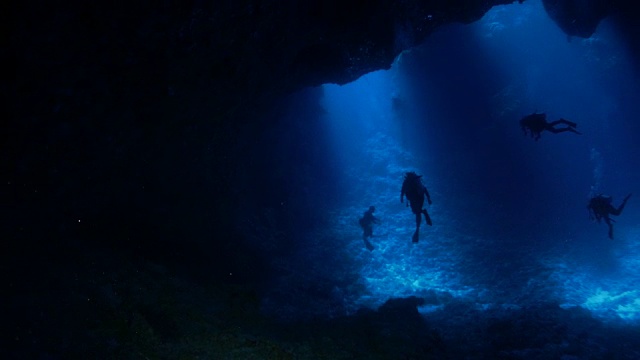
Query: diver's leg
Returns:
{"type": "Point", "coordinates": [556, 131]}
{"type": "Point", "coordinates": [368, 245]}
{"type": "Point", "coordinates": [608, 221]}
{"type": "Point", "coordinates": [562, 121]}
{"type": "Point", "coordinates": [618, 211]}
{"type": "Point", "coordinates": [567, 122]}
{"type": "Point", "coordinates": [427, 218]}
{"type": "Point", "coordinates": [368, 232]}
{"type": "Point", "coordinates": [414, 239]}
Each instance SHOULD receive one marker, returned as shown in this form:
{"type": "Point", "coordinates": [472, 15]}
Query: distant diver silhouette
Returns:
{"type": "Point", "coordinates": [600, 208]}
{"type": "Point", "coordinates": [366, 222]}
{"type": "Point", "coordinates": [534, 124]}
{"type": "Point", "coordinates": [415, 192]}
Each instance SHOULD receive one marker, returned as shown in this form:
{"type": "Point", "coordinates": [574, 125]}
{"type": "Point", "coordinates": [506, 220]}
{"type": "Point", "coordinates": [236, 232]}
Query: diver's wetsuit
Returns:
{"type": "Point", "coordinates": [535, 124]}
{"type": "Point", "coordinates": [415, 192]}
{"type": "Point", "coordinates": [601, 207]}
{"type": "Point", "coordinates": [366, 222]}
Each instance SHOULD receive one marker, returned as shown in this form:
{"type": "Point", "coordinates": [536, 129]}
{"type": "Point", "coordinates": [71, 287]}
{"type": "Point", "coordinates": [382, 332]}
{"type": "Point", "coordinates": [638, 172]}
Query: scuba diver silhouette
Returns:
{"type": "Point", "coordinates": [600, 207]}
{"type": "Point", "coordinates": [366, 222]}
{"type": "Point", "coordinates": [414, 190]}
{"type": "Point", "coordinates": [534, 124]}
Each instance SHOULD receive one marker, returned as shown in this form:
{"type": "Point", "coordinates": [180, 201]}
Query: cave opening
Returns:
{"type": "Point", "coordinates": [510, 224]}
{"type": "Point", "coordinates": [186, 179]}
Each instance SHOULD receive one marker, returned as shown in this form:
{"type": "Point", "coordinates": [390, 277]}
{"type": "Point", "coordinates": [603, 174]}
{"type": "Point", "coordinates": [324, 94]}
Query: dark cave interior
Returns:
{"type": "Point", "coordinates": [162, 161]}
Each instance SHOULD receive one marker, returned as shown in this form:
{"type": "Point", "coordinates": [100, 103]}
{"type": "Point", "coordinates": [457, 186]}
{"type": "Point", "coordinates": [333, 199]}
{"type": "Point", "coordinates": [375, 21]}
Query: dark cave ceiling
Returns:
{"type": "Point", "coordinates": [113, 90]}
{"type": "Point", "coordinates": [229, 54]}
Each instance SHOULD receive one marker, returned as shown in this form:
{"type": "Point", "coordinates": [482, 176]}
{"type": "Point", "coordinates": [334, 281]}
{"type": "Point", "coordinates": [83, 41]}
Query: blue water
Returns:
{"type": "Point", "coordinates": [510, 222]}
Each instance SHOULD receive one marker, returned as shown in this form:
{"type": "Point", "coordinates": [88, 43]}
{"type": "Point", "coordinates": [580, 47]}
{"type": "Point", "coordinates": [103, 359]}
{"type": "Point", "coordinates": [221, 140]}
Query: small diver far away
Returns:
{"type": "Point", "coordinates": [366, 223]}
{"type": "Point", "coordinates": [534, 124]}
{"type": "Point", "coordinates": [600, 208]}
{"type": "Point", "coordinates": [415, 192]}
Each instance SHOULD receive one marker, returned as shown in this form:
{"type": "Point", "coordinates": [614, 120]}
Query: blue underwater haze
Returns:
{"type": "Point", "coordinates": [511, 229]}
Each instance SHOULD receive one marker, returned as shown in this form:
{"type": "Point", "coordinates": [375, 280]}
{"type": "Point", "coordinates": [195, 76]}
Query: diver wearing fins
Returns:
{"type": "Point", "coordinates": [600, 208]}
{"type": "Point", "coordinates": [415, 192]}
{"type": "Point", "coordinates": [366, 223]}
{"type": "Point", "coordinates": [534, 124]}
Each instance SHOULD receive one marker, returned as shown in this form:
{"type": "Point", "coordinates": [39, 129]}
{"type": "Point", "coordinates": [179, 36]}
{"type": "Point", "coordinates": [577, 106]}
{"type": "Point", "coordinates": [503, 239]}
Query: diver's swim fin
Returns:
{"type": "Point", "coordinates": [368, 245]}
{"type": "Point", "coordinates": [414, 239]}
{"type": "Point", "coordinates": [427, 218]}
